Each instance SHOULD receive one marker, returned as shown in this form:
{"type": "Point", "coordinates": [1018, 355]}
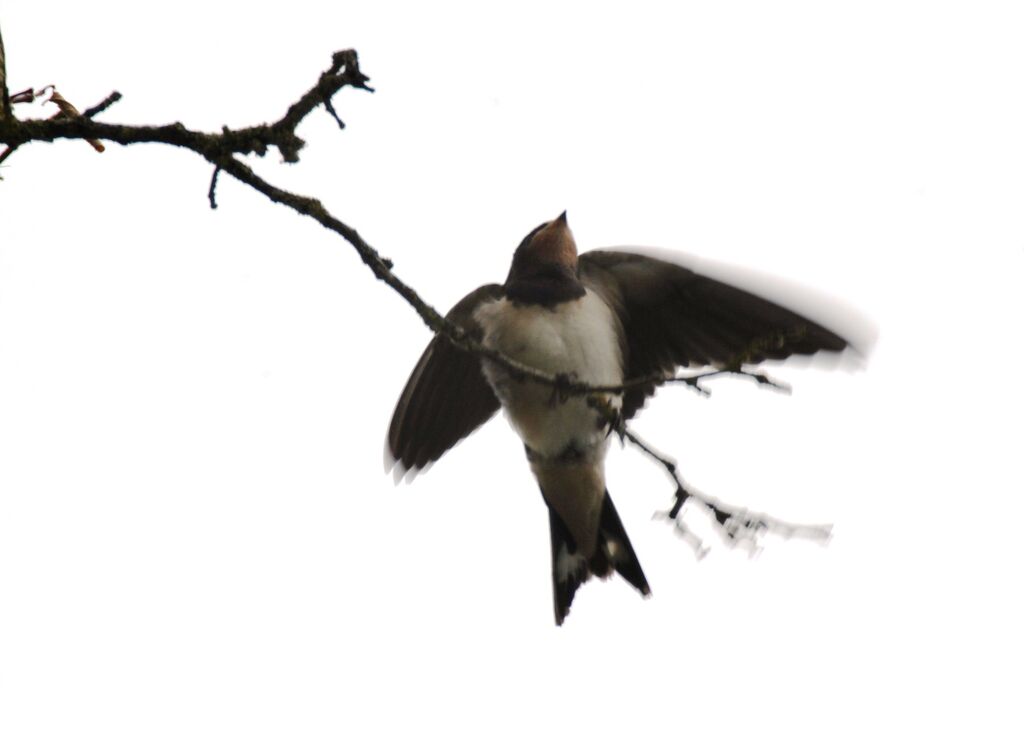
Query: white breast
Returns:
{"type": "Point", "coordinates": [579, 338]}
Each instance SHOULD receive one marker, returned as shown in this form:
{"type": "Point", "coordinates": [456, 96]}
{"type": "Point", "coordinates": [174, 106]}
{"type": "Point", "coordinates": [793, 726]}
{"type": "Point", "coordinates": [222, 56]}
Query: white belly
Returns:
{"type": "Point", "coordinates": [578, 338]}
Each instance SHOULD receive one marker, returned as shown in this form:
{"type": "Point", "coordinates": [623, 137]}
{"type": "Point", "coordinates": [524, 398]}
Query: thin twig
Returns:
{"type": "Point", "coordinates": [692, 381]}
{"type": "Point", "coordinates": [101, 107]}
{"type": "Point", "coordinates": [7, 153]}
{"type": "Point", "coordinates": [212, 193]}
{"type": "Point", "coordinates": [738, 525]}
{"type": "Point", "coordinates": [329, 108]}
{"type": "Point", "coordinates": [68, 111]}
{"type": "Point", "coordinates": [27, 96]}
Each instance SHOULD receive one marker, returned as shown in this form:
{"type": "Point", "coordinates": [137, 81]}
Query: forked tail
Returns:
{"type": "Point", "coordinates": [569, 569]}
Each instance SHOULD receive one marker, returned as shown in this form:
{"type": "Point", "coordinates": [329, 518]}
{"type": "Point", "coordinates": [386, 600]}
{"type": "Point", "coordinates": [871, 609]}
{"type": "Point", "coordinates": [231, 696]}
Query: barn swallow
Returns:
{"type": "Point", "coordinates": [601, 318]}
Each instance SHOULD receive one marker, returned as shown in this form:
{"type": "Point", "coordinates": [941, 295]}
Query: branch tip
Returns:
{"type": "Point", "coordinates": [212, 193]}
{"type": "Point", "coordinates": [112, 98]}
{"type": "Point", "coordinates": [329, 108]}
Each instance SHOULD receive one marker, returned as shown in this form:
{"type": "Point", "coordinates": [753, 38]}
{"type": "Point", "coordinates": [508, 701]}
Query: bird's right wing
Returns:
{"type": "Point", "coordinates": [447, 397]}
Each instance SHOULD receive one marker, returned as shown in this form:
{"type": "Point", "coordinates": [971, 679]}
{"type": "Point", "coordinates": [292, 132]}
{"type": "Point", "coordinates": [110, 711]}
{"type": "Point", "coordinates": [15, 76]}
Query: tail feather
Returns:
{"type": "Point", "coordinates": [569, 569]}
{"type": "Point", "coordinates": [614, 544]}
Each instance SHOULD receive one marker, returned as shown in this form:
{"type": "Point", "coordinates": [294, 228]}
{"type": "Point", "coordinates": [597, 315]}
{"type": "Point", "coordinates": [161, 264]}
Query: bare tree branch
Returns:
{"type": "Point", "coordinates": [222, 149]}
{"type": "Point", "coordinates": [344, 71]}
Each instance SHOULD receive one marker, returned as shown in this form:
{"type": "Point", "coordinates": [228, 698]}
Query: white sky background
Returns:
{"type": "Point", "coordinates": [195, 527]}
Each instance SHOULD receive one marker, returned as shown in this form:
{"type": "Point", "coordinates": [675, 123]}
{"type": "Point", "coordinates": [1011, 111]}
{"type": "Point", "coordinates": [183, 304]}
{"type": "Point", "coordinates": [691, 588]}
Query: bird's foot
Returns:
{"type": "Point", "coordinates": [609, 416]}
{"type": "Point", "coordinates": [612, 418]}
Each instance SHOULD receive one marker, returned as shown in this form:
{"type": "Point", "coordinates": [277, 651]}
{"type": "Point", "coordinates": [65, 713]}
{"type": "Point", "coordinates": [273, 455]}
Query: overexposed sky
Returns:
{"type": "Point", "coordinates": [195, 524]}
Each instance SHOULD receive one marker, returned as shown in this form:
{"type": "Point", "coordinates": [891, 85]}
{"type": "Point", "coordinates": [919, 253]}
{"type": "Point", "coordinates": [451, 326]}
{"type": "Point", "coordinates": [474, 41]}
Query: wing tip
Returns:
{"type": "Point", "coordinates": [388, 456]}
{"type": "Point", "coordinates": [399, 468]}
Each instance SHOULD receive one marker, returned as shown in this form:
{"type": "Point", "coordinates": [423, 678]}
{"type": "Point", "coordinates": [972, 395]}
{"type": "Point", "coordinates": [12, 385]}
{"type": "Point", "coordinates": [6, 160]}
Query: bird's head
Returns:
{"type": "Point", "coordinates": [544, 267]}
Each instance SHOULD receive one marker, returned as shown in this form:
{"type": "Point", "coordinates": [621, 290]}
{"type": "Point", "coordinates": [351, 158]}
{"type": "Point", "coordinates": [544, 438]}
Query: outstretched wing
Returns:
{"type": "Point", "coordinates": [674, 317]}
{"type": "Point", "coordinates": [447, 397]}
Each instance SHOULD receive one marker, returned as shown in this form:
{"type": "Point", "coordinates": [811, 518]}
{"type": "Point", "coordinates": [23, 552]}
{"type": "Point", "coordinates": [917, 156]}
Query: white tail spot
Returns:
{"type": "Point", "coordinates": [569, 564]}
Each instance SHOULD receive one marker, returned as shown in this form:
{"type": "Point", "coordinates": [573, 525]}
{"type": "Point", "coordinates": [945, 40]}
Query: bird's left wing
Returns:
{"type": "Point", "coordinates": [447, 397]}
{"type": "Point", "coordinates": [673, 317]}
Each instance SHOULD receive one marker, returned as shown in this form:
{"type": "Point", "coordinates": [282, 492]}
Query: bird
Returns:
{"type": "Point", "coordinates": [602, 317]}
